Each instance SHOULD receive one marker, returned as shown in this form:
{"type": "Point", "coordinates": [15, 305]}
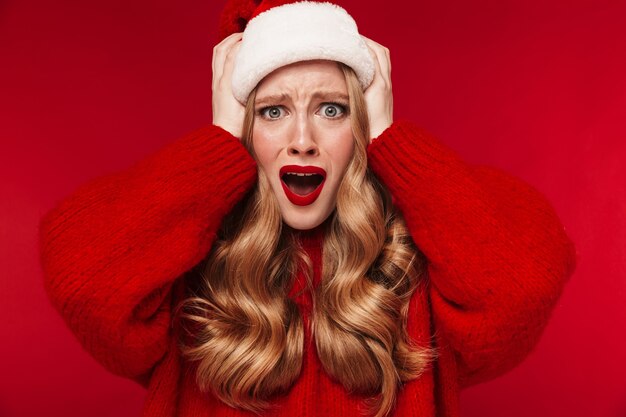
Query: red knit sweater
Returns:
{"type": "Point", "coordinates": [114, 254]}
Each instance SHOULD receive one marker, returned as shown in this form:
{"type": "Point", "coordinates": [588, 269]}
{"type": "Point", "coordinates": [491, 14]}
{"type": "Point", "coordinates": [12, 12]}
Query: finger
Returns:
{"type": "Point", "coordinates": [219, 53]}
{"type": "Point", "coordinates": [382, 55]}
{"type": "Point", "coordinates": [227, 42]}
{"type": "Point", "coordinates": [378, 76]}
{"type": "Point", "coordinates": [229, 63]}
{"type": "Point", "coordinates": [383, 59]}
{"type": "Point", "coordinates": [385, 66]}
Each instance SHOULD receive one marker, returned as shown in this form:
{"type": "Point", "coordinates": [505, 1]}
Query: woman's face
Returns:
{"type": "Point", "coordinates": [302, 138]}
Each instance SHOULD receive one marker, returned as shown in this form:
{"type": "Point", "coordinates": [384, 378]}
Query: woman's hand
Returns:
{"type": "Point", "coordinates": [228, 113]}
{"type": "Point", "coordinates": [378, 96]}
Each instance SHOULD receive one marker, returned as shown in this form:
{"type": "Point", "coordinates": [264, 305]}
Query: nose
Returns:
{"type": "Point", "coordinates": [303, 141]}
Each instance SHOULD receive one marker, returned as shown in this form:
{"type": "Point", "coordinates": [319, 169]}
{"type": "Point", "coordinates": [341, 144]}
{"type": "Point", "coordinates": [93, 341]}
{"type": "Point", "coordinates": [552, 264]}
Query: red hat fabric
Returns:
{"type": "Point", "coordinates": [237, 13]}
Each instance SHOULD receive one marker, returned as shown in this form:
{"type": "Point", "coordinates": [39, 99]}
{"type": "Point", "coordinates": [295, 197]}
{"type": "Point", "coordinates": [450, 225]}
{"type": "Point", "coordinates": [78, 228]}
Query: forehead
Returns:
{"type": "Point", "coordinates": [302, 78]}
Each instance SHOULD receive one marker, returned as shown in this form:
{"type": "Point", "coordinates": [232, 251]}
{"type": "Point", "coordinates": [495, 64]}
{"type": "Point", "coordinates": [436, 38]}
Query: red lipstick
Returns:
{"type": "Point", "coordinates": [302, 184]}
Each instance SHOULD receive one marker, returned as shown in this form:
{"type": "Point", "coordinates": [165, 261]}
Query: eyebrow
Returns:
{"type": "Point", "coordinates": [324, 95]}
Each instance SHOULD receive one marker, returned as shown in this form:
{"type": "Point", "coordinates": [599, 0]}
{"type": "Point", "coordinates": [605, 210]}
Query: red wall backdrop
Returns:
{"type": "Point", "coordinates": [535, 87]}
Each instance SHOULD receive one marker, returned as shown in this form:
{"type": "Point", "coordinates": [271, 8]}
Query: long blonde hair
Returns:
{"type": "Point", "coordinates": [246, 333]}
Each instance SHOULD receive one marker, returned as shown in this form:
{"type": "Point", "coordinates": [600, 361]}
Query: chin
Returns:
{"type": "Point", "coordinates": [304, 222]}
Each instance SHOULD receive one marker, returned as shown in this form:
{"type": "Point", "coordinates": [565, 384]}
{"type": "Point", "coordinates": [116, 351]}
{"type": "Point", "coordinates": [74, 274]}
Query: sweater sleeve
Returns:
{"type": "Point", "coordinates": [498, 256]}
{"type": "Point", "coordinates": [111, 251]}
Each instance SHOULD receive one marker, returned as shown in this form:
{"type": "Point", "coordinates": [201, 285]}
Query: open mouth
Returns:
{"type": "Point", "coordinates": [302, 184]}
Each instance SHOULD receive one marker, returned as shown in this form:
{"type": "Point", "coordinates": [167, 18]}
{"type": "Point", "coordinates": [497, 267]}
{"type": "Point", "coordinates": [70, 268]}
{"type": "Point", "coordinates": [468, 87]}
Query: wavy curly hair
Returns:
{"type": "Point", "coordinates": [246, 335]}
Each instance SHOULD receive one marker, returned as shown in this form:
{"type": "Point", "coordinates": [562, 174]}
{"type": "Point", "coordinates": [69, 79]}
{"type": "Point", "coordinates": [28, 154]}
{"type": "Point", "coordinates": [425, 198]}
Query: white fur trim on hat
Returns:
{"type": "Point", "coordinates": [297, 32]}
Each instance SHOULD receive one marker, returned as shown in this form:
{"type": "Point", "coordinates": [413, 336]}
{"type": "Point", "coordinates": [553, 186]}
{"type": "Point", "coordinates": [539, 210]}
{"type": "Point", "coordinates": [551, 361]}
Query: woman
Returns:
{"type": "Point", "coordinates": [332, 262]}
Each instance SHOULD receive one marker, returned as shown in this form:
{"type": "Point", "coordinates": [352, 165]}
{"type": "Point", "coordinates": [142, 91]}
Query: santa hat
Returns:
{"type": "Point", "coordinates": [280, 32]}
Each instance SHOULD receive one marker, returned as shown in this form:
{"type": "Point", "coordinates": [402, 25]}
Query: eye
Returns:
{"type": "Point", "coordinates": [272, 112]}
{"type": "Point", "coordinates": [332, 110]}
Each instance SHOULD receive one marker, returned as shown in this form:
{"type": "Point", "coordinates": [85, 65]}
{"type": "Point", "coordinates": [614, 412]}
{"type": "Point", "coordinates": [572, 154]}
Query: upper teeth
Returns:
{"type": "Point", "coordinates": [300, 174]}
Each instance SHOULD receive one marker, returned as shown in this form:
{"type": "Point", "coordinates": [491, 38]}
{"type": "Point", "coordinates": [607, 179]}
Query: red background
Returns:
{"type": "Point", "coordinates": [535, 87]}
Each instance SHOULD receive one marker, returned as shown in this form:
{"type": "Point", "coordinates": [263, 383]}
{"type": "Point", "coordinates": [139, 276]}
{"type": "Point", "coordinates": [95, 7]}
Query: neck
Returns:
{"type": "Point", "coordinates": [310, 237]}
